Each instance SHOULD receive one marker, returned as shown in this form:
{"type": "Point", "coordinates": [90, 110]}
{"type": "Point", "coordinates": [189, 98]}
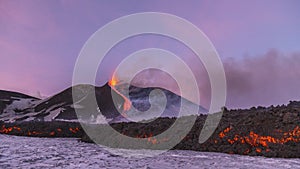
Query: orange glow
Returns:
{"type": "Point", "coordinates": [127, 103]}
{"type": "Point", "coordinates": [9, 129]}
{"type": "Point", "coordinates": [15, 129]}
{"type": "Point", "coordinates": [258, 150]}
{"type": "Point", "coordinates": [74, 130]}
{"type": "Point", "coordinates": [222, 134]}
{"type": "Point", "coordinates": [113, 81]}
{"type": "Point", "coordinates": [256, 140]}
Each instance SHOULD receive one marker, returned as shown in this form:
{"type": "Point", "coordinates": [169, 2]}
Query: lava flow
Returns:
{"type": "Point", "coordinates": [17, 130]}
{"type": "Point", "coordinates": [127, 104]}
{"type": "Point", "coordinates": [255, 140]}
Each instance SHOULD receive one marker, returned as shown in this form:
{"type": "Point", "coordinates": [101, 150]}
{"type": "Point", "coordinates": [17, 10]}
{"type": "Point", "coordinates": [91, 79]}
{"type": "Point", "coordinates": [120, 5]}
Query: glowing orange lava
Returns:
{"type": "Point", "coordinates": [16, 129]}
{"type": "Point", "coordinates": [127, 104]}
{"type": "Point", "coordinates": [255, 140]}
{"type": "Point", "coordinates": [113, 81]}
{"type": "Point", "coordinates": [74, 130]}
{"type": "Point", "coordinates": [223, 133]}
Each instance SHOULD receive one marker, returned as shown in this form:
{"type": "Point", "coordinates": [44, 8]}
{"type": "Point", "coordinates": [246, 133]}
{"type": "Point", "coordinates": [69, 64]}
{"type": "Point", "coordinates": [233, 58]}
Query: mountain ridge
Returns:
{"type": "Point", "coordinates": [62, 105]}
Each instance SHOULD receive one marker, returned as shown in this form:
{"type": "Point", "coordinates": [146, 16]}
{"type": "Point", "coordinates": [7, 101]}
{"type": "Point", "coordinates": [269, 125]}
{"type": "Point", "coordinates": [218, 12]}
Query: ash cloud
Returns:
{"type": "Point", "coordinates": [272, 78]}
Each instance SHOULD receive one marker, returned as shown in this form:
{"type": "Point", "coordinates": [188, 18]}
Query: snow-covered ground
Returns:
{"type": "Point", "coordinates": [25, 152]}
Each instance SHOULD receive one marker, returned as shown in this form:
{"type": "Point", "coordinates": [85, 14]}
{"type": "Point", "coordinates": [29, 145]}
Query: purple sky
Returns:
{"type": "Point", "coordinates": [258, 42]}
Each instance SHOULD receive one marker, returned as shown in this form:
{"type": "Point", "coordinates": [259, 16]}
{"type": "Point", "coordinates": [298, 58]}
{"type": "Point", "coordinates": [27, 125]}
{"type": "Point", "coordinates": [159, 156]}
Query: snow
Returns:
{"type": "Point", "coordinates": [76, 106]}
{"type": "Point", "coordinates": [28, 152]}
{"type": "Point", "coordinates": [53, 114]}
{"type": "Point", "coordinates": [14, 110]}
{"type": "Point", "coordinates": [20, 104]}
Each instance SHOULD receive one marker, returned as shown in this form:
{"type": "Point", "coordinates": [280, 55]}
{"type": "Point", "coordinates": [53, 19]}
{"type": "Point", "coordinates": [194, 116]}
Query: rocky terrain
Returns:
{"type": "Point", "coordinates": [16, 107]}
{"type": "Point", "coordinates": [265, 131]}
{"type": "Point", "coordinates": [60, 107]}
{"type": "Point", "coordinates": [20, 101]}
{"type": "Point", "coordinates": [270, 132]}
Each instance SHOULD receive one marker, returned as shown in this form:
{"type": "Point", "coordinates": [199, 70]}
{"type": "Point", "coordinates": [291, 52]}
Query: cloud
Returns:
{"type": "Point", "coordinates": [272, 78]}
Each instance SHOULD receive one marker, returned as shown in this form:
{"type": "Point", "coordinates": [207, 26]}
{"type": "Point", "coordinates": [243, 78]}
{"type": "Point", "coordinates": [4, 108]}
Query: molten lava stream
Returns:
{"type": "Point", "coordinates": [256, 140]}
{"type": "Point", "coordinates": [127, 103]}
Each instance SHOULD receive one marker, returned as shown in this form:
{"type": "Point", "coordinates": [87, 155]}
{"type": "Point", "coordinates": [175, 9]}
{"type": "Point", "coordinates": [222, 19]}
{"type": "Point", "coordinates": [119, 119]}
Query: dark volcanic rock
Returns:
{"type": "Point", "coordinates": [42, 129]}
{"type": "Point", "coordinates": [256, 131]}
{"type": "Point", "coordinates": [61, 107]}
{"type": "Point", "coordinates": [83, 94]}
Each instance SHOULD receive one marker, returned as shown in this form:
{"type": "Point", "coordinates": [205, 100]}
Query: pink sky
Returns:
{"type": "Point", "coordinates": [258, 42]}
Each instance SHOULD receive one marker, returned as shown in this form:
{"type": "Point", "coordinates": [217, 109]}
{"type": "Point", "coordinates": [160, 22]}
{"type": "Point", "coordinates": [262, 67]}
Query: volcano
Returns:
{"type": "Point", "coordinates": [143, 98]}
{"type": "Point", "coordinates": [61, 107]}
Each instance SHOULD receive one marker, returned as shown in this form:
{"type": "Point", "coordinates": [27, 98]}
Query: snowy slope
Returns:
{"type": "Point", "coordinates": [15, 105]}
{"type": "Point", "coordinates": [149, 103]}
{"type": "Point", "coordinates": [61, 107]}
